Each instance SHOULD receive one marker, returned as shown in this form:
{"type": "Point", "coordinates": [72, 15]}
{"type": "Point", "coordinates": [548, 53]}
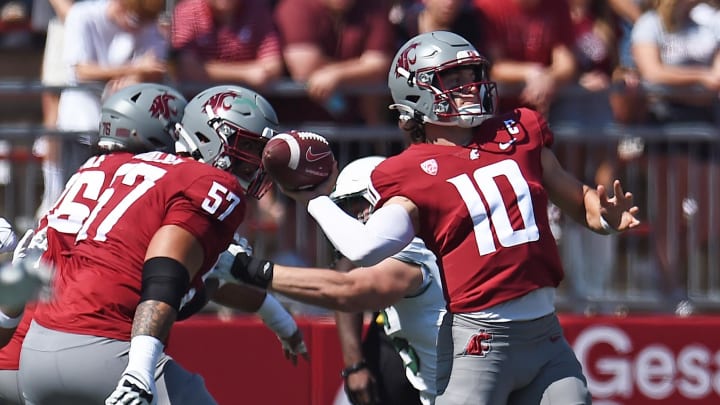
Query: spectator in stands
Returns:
{"type": "Point", "coordinates": [674, 51]}
{"type": "Point", "coordinates": [416, 17]}
{"type": "Point", "coordinates": [54, 73]}
{"type": "Point", "coordinates": [679, 61]}
{"type": "Point", "coordinates": [529, 43]}
{"type": "Point", "coordinates": [332, 43]}
{"type": "Point", "coordinates": [226, 41]}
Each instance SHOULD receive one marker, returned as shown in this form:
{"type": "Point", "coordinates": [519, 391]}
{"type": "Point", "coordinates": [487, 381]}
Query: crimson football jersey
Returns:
{"type": "Point", "coordinates": [482, 209]}
{"type": "Point", "coordinates": [97, 288]}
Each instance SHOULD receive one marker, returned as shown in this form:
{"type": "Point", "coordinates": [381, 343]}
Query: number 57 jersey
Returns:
{"type": "Point", "coordinates": [482, 209]}
{"type": "Point", "coordinates": [96, 289]}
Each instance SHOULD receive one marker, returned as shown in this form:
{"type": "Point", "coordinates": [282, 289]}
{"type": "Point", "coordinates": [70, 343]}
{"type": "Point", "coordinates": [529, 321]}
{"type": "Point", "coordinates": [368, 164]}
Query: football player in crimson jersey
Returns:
{"type": "Point", "coordinates": [156, 228]}
{"type": "Point", "coordinates": [475, 187]}
{"type": "Point", "coordinates": [148, 111]}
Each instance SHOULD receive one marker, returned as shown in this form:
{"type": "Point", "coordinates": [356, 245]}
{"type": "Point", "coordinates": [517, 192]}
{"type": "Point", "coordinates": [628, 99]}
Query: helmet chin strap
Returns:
{"type": "Point", "coordinates": [471, 116]}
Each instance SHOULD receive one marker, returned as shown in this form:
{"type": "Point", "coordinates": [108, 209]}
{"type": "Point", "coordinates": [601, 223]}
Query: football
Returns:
{"type": "Point", "coordinates": [298, 160]}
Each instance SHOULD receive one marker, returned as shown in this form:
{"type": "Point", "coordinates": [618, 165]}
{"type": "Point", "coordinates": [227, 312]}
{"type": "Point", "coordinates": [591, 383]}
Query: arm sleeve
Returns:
{"type": "Point", "coordinates": [387, 232]}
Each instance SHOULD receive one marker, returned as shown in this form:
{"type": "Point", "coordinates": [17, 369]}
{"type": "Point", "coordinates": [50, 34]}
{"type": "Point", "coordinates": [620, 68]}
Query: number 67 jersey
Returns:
{"type": "Point", "coordinates": [97, 284]}
{"type": "Point", "coordinates": [482, 209]}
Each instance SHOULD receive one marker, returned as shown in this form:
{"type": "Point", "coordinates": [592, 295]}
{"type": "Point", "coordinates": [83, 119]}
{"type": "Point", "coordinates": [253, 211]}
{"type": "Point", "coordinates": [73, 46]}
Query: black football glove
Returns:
{"type": "Point", "coordinates": [252, 270]}
{"type": "Point", "coordinates": [193, 303]}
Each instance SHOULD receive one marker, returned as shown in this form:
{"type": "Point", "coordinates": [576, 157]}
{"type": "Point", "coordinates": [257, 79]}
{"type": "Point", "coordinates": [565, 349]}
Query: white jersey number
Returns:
{"type": "Point", "coordinates": [141, 176]}
{"type": "Point", "coordinates": [68, 214]}
{"type": "Point", "coordinates": [498, 219]}
{"type": "Point", "coordinates": [216, 195]}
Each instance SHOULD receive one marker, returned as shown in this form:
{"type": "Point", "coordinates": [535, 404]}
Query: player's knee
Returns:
{"type": "Point", "coordinates": [567, 391]}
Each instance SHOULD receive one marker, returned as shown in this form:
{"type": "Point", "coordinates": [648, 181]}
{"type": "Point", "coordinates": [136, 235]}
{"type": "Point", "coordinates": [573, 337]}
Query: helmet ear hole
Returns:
{"type": "Point", "coordinates": [202, 138]}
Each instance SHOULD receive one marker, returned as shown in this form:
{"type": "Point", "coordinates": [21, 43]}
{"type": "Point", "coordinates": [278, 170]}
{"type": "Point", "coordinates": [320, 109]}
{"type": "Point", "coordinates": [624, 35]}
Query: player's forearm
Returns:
{"type": "Point", "coordinates": [563, 189]}
{"type": "Point", "coordinates": [153, 318]}
{"type": "Point", "coordinates": [325, 288]}
{"type": "Point", "coordinates": [349, 327]}
{"type": "Point", "coordinates": [330, 289]}
{"type": "Point", "coordinates": [151, 327]}
{"type": "Point", "coordinates": [240, 296]}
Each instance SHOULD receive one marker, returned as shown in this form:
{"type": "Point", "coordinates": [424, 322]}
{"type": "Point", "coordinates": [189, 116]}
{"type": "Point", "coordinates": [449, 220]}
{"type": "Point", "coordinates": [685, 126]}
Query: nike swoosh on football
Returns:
{"type": "Point", "coordinates": [311, 157]}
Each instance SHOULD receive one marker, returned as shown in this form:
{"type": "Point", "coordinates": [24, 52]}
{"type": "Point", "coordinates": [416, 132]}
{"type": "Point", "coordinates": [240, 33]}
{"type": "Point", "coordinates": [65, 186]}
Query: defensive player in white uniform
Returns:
{"type": "Point", "coordinates": [405, 286]}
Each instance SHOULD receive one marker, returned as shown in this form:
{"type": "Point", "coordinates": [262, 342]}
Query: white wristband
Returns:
{"type": "Point", "coordinates": [7, 322]}
{"type": "Point", "coordinates": [276, 317]}
{"type": "Point", "coordinates": [143, 357]}
{"type": "Point", "coordinates": [606, 226]}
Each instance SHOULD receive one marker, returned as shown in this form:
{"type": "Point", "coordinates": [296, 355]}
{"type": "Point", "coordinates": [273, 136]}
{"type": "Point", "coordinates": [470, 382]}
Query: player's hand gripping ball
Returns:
{"type": "Point", "coordinates": [298, 160]}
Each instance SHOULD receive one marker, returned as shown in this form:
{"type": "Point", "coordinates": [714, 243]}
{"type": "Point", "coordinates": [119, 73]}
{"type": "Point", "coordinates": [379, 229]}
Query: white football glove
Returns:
{"type": "Point", "coordinates": [31, 247]}
{"type": "Point", "coordinates": [221, 269]}
{"type": "Point", "coordinates": [22, 280]}
{"type": "Point", "coordinates": [8, 239]}
{"type": "Point", "coordinates": [131, 390]}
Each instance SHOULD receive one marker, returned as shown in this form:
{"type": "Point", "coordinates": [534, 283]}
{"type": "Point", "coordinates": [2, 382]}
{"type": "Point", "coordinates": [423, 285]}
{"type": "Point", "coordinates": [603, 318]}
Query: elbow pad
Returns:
{"type": "Point", "coordinates": [387, 232]}
{"type": "Point", "coordinates": [164, 279]}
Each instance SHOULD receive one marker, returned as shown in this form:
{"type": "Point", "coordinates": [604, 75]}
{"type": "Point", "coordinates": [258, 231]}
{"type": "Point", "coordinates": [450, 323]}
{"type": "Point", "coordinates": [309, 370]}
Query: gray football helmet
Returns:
{"type": "Point", "coordinates": [141, 118]}
{"type": "Point", "coordinates": [227, 127]}
{"type": "Point", "coordinates": [417, 88]}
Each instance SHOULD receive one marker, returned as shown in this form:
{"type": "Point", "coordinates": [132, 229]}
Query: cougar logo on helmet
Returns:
{"type": "Point", "coordinates": [405, 59]}
{"type": "Point", "coordinates": [161, 106]}
{"type": "Point", "coordinates": [219, 100]}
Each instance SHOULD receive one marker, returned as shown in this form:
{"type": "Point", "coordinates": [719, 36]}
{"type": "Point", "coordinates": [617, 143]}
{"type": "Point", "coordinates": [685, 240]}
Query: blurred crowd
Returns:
{"type": "Point", "coordinates": [536, 48]}
{"type": "Point", "coordinates": [646, 61]}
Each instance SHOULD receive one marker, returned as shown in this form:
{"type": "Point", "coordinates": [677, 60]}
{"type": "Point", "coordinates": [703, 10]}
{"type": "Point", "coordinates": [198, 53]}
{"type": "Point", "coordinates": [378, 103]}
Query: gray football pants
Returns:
{"type": "Point", "coordinates": [9, 391]}
{"type": "Point", "coordinates": [59, 368]}
{"type": "Point", "coordinates": [513, 363]}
